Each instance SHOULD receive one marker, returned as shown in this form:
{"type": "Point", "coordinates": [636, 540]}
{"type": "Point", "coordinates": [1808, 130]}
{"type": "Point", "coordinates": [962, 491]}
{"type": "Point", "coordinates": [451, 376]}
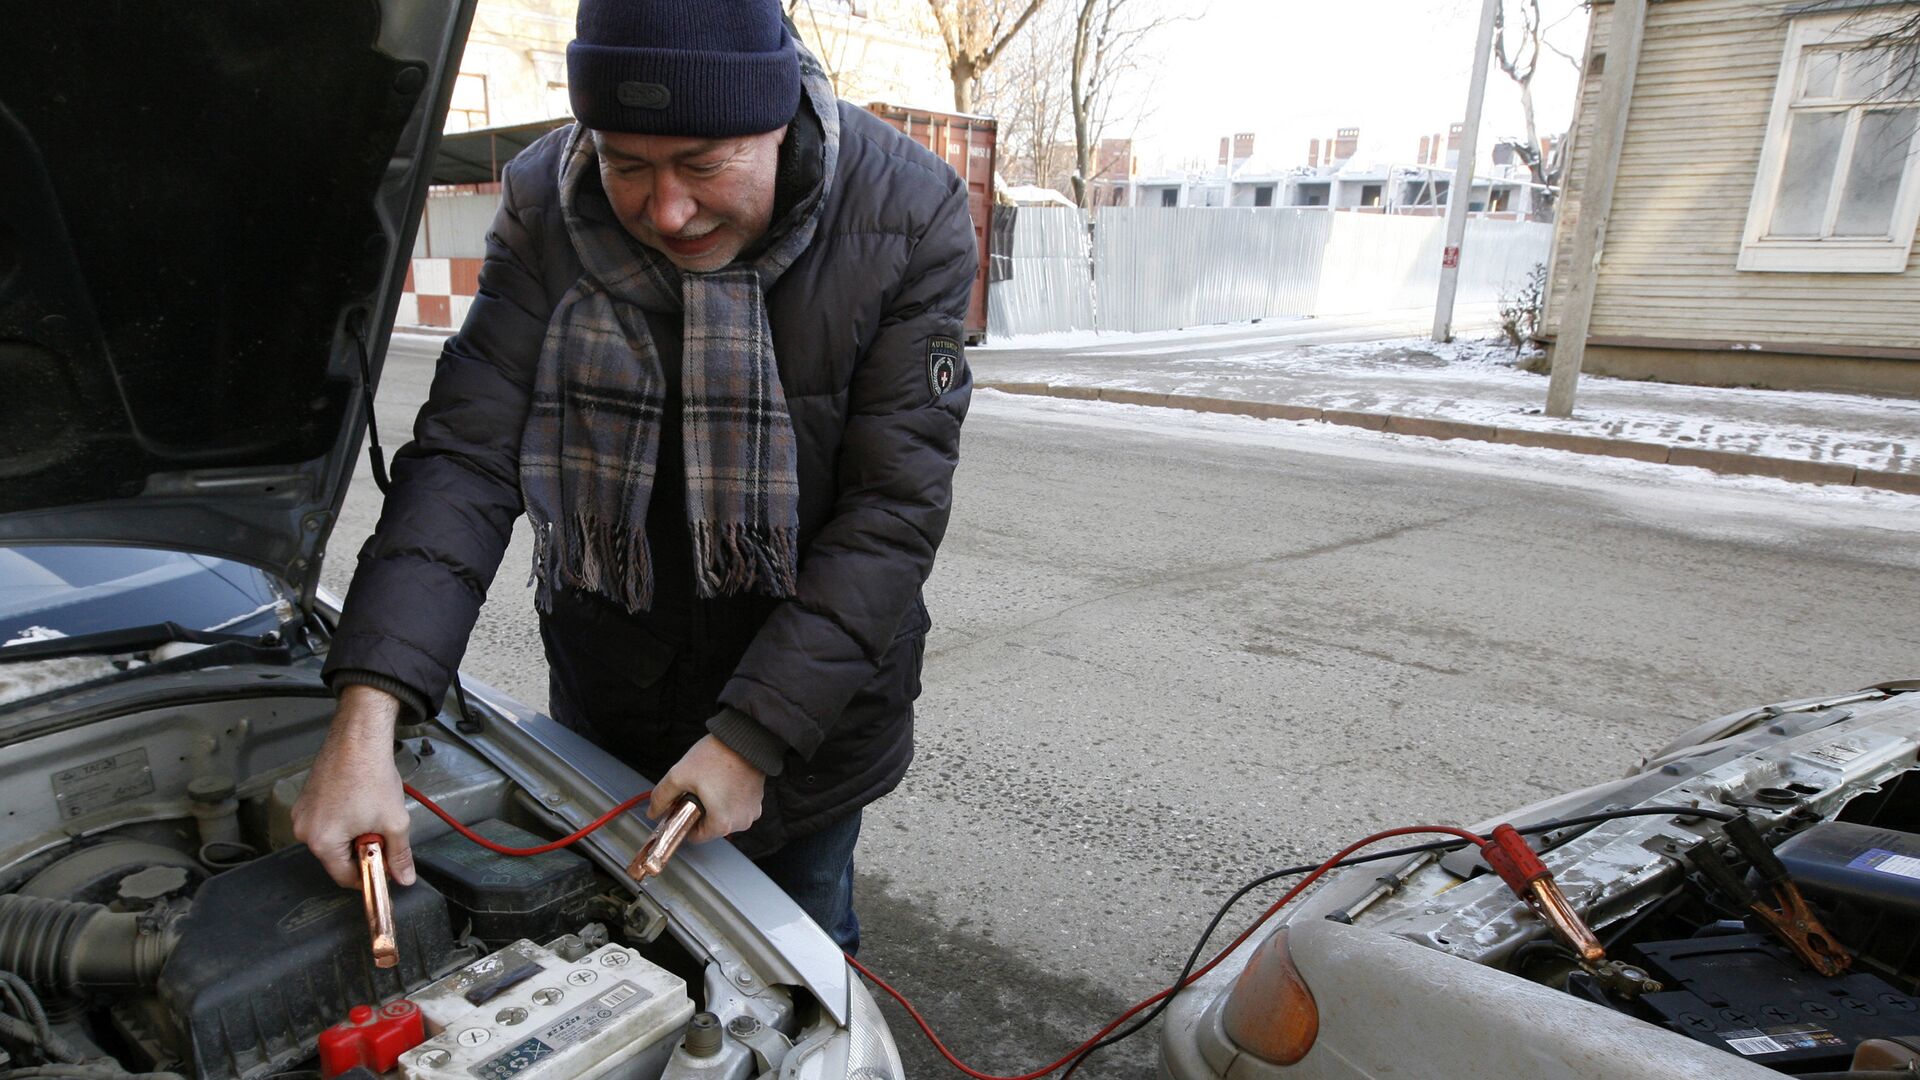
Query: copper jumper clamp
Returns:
{"type": "Point", "coordinates": [1510, 857]}
{"type": "Point", "coordinates": [667, 837]}
{"type": "Point", "coordinates": [379, 902]}
{"type": "Point", "coordinates": [1787, 916]}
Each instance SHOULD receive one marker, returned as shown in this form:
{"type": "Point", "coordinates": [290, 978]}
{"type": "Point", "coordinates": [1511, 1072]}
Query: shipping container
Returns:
{"type": "Point", "coordinates": [967, 144]}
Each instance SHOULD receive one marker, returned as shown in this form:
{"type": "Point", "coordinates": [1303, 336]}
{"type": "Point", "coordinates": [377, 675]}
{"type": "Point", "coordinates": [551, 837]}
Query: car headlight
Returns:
{"type": "Point", "coordinates": [871, 1053]}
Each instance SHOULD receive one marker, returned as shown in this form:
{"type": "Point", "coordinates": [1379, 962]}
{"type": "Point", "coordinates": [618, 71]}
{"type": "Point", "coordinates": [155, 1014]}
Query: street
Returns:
{"type": "Point", "coordinates": [1172, 651]}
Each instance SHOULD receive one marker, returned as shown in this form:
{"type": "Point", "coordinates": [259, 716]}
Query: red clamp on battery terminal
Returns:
{"type": "Point", "coordinates": [1510, 857]}
{"type": "Point", "coordinates": [374, 1038]}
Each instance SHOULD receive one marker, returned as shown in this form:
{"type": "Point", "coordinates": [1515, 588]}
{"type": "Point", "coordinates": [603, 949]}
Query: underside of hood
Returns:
{"type": "Point", "coordinates": [206, 208]}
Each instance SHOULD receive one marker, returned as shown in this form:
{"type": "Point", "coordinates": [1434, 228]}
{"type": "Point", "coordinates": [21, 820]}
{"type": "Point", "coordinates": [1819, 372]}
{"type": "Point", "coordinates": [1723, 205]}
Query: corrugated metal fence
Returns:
{"type": "Point", "coordinates": [1052, 284]}
{"type": "Point", "coordinates": [455, 226]}
{"type": "Point", "coordinates": [1161, 269]}
{"type": "Point", "coordinates": [1154, 268]}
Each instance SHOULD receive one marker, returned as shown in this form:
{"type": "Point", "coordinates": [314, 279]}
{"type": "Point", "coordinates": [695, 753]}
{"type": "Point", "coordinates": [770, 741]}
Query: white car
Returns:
{"type": "Point", "coordinates": [1430, 966]}
{"type": "Point", "coordinates": [206, 215]}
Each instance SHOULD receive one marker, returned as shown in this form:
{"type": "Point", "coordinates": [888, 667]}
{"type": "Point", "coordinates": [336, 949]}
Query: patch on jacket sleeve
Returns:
{"type": "Point", "coordinates": [943, 364]}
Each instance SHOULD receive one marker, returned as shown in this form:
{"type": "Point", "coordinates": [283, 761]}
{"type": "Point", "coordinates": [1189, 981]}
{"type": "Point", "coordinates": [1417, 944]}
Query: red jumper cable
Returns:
{"type": "Point", "coordinates": [1507, 853]}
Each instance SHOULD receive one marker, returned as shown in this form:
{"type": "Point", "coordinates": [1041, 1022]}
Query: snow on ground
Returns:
{"type": "Point", "coordinates": [1479, 381]}
{"type": "Point", "coordinates": [1637, 487]}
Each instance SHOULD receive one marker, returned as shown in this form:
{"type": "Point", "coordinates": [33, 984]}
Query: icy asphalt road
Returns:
{"type": "Point", "coordinates": [1172, 651]}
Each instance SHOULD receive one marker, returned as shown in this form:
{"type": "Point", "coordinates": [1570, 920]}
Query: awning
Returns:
{"type": "Point", "coordinates": [475, 157]}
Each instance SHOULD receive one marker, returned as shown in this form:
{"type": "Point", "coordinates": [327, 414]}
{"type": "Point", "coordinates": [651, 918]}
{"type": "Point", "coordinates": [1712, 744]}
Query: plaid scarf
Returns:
{"type": "Point", "coordinates": [590, 447]}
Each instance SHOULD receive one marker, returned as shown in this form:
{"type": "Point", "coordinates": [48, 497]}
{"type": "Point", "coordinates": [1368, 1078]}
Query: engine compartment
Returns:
{"type": "Point", "coordinates": [157, 917]}
{"type": "Point", "coordinates": [1724, 980]}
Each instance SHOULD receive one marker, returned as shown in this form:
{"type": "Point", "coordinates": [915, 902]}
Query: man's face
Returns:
{"type": "Point", "coordinates": [699, 202]}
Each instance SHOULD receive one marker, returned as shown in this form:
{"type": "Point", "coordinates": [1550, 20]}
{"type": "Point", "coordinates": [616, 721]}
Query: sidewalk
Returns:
{"type": "Point", "coordinates": [1341, 371]}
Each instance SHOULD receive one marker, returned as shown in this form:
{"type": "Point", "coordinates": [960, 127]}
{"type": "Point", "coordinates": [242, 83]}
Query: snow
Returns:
{"type": "Point", "coordinates": [1671, 493]}
{"type": "Point", "coordinates": [20, 680]}
{"type": "Point", "coordinates": [1123, 342]}
{"type": "Point", "coordinates": [1479, 381]}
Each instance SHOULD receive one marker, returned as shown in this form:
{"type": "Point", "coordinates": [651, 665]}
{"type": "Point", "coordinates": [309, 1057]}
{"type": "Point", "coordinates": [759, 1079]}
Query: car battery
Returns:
{"type": "Point", "coordinates": [527, 1013]}
{"type": "Point", "coordinates": [1877, 869]}
{"type": "Point", "coordinates": [1745, 994]}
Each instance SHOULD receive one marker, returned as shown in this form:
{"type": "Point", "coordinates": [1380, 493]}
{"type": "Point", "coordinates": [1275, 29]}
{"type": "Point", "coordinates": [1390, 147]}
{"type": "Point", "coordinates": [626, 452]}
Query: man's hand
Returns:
{"type": "Point", "coordinates": [729, 788]}
{"type": "Point", "coordinates": [354, 789]}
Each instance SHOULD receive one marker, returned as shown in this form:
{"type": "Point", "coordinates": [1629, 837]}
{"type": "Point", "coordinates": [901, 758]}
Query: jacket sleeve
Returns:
{"type": "Point", "coordinates": [449, 514]}
{"type": "Point", "coordinates": [861, 573]}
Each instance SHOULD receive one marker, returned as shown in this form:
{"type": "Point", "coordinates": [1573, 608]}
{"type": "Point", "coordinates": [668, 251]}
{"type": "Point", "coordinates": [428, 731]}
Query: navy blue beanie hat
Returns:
{"type": "Point", "coordinates": [705, 68]}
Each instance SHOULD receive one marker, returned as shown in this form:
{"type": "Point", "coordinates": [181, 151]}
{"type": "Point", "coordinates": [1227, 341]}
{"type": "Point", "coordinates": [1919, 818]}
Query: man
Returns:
{"type": "Point", "coordinates": [715, 360]}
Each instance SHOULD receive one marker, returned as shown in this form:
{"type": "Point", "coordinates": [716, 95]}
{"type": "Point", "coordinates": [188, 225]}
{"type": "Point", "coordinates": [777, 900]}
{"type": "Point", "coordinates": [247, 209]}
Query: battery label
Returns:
{"type": "Point", "coordinates": [1886, 862]}
{"type": "Point", "coordinates": [1749, 1042]}
{"type": "Point", "coordinates": [597, 1013]}
{"type": "Point", "coordinates": [576, 1026]}
{"type": "Point", "coordinates": [512, 1061]}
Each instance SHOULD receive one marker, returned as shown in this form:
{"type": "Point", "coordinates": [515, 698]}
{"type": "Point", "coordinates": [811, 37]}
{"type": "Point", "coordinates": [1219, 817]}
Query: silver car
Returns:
{"type": "Point", "coordinates": [1427, 965]}
{"type": "Point", "coordinates": [206, 212]}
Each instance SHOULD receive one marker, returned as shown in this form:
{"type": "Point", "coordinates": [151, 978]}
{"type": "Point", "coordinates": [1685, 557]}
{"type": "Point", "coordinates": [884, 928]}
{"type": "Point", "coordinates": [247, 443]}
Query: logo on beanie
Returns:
{"type": "Point", "coordinates": [643, 95]}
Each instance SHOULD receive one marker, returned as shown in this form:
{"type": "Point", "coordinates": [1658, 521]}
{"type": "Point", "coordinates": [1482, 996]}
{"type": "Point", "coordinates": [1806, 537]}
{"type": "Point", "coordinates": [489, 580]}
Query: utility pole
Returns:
{"type": "Point", "coordinates": [1460, 194]}
{"type": "Point", "coordinates": [1622, 58]}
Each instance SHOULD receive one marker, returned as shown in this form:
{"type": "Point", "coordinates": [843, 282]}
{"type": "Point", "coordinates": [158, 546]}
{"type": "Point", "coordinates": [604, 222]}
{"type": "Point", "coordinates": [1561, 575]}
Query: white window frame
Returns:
{"type": "Point", "coordinates": [1844, 255]}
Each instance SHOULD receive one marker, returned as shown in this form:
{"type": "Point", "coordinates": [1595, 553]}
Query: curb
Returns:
{"type": "Point", "coordinates": [1728, 462]}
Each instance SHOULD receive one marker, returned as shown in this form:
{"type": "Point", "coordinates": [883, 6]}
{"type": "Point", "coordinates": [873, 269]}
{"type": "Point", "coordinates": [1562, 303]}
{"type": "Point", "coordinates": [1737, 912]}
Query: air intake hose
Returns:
{"type": "Point", "coordinates": [73, 947]}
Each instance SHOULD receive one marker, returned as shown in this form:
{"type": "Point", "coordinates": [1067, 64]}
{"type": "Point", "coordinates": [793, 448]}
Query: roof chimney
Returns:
{"type": "Point", "coordinates": [1224, 144]}
{"type": "Point", "coordinates": [1242, 146]}
{"type": "Point", "coordinates": [1426, 147]}
{"type": "Point", "coordinates": [1346, 142]}
{"type": "Point", "coordinates": [1313, 153]}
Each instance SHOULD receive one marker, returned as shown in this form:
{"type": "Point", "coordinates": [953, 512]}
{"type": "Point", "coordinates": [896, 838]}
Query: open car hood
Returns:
{"type": "Point", "coordinates": [206, 209]}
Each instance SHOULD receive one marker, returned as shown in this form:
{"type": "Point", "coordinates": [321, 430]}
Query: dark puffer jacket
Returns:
{"type": "Point", "coordinates": [859, 322]}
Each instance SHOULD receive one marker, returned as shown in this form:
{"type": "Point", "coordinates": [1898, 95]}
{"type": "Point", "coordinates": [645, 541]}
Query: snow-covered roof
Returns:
{"type": "Point", "coordinates": [1033, 195]}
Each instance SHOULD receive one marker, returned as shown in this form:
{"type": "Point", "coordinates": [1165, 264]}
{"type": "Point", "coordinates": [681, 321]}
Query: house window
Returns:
{"type": "Point", "coordinates": [1263, 195]}
{"type": "Point", "coordinates": [1370, 195]}
{"type": "Point", "coordinates": [468, 110]}
{"type": "Point", "coordinates": [1169, 196]}
{"type": "Point", "coordinates": [551, 68]}
{"type": "Point", "coordinates": [1499, 200]}
{"type": "Point", "coordinates": [1838, 190]}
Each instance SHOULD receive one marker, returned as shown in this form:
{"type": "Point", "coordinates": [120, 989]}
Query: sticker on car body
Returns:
{"type": "Point", "coordinates": [1833, 755]}
{"type": "Point", "coordinates": [83, 789]}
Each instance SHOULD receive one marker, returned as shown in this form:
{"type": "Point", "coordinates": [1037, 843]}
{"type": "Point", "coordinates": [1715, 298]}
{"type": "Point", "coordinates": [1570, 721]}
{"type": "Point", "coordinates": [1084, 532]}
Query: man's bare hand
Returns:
{"type": "Point", "coordinates": [729, 788]}
{"type": "Point", "coordinates": [354, 789]}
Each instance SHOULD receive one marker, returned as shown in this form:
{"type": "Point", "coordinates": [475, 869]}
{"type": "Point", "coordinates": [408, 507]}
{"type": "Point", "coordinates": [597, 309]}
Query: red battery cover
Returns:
{"type": "Point", "coordinates": [373, 1038]}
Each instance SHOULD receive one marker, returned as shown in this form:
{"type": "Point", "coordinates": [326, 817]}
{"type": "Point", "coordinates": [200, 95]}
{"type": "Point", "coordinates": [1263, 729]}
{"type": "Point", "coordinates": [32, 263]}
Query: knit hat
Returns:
{"type": "Point", "coordinates": [705, 68]}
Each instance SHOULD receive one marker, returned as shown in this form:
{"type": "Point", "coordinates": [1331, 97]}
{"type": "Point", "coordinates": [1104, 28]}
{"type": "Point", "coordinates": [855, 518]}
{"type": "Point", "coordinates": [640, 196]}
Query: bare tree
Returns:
{"type": "Point", "coordinates": [1107, 40]}
{"type": "Point", "coordinates": [1027, 93]}
{"type": "Point", "coordinates": [976, 32]}
{"type": "Point", "coordinates": [1517, 47]}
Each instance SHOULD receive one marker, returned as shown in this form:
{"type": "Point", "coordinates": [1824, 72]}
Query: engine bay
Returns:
{"type": "Point", "coordinates": [1716, 972]}
{"type": "Point", "coordinates": [157, 919]}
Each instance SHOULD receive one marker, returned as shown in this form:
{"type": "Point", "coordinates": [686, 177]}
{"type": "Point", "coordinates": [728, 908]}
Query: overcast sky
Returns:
{"type": "Point", "coordinates": [1290, 70]}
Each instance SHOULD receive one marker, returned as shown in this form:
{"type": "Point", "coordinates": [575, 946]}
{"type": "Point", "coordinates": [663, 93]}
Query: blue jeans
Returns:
{"type": "Point", "coordinates": [817, 871]}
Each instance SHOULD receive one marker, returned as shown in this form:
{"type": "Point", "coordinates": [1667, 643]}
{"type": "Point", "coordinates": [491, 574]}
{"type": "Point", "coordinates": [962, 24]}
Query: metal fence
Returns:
{"type": "Point", "coordinates": [455, 227]}
{"type": "Point", "coordinates": [1051, 287]}
{"type": "Point", "coordinates": [1155, 268]}
{"type": "Point", "coordinates": [1163, 268]}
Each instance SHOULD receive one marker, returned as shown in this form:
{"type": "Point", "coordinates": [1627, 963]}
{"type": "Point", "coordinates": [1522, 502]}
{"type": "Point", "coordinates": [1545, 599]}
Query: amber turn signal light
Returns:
{"type": "Point", "coordinates": [1270, 1013]}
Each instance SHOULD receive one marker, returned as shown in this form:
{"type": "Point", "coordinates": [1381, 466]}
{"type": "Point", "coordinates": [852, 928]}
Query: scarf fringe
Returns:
{"type": "Point", "coordinates": [612, 561]}
{"type": "Point", "coordinates": [735, 559]}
